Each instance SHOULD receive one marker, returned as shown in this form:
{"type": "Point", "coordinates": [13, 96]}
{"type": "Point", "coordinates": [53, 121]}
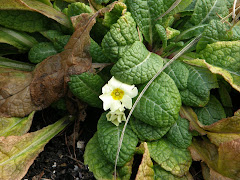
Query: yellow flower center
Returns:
{"type": "Point", "coordinates": [117, 94]}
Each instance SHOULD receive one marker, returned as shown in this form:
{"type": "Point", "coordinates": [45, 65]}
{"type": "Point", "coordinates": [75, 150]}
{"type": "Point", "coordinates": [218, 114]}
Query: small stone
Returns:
{"type": "Point", "coordinates": [80, 144]}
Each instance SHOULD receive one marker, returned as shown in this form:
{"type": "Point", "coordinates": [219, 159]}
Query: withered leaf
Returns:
{"type": "Point", "coordinates": [15, 126]}
{"type": "Point", "coordinates": [17, 153]}
{"type": "Point", "coordinates": [224, 160]}
{"type": "Point", "coordinates": [15, 99]}
{"type": "Point", "coordinates": [48, 82]}
{"type": "Point", "coordinates": [145, 170]}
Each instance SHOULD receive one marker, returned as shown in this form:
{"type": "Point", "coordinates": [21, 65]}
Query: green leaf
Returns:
{"type": "Point", "coordinates": [181, 6]}
{"type": "Point", "coordinates": [145, 169]}
{"type": "Point", "coordinates": [204, 11]}
{"type": "Point", "coordinates": [200, 82]}
{"type": "Point", "coordinates": [160, 104]}
{"type": "Point", "coordinates": [215, 31]}
{"type": "Point", "coordinates": [137, 65]}
{"type": "Point", "coordinates": [146, 132]}
{"type": "Point", "coordinates": [146, 13]}
{"type": "Point", "coordinates": [162, 34]}
{"type": "Point", "coordinates": [20, 40]}
{"type": "Point", "coordinates": [120, 37]}
{"type": "Point", "coordinates": [108, 138]}
{"type": "Point", "coordinates": [29, 5]}
{"type": "Point", "coordinates": [33, 21]}
{"type": "Point", "coordinates": [169, 157]}
{"type": "Point", "coordinates": [58, 39]}
{"type": "Point", "coordinates": [179, 133]}
{"type": "Point", "coordinates": [18, 65]}
{"type": "Point", "coordinates": [77, 8]}
{"type": "Point", "coordinates": [161, 174]}
{"type": "Point", "coordinates": [97, 54]}
{"type": "Point", "coordinates": [87, 87]}
{"type": "Point", "coordinates": [100, 166]}
{"type": "Point", "coordinates": [223, 58]}
{"type": "Point", "coordinates": [211, 113]}
{"type": "Point", "coordinates": [112, 16]}
{"type": "Point", "coordinates": [60, 5]}
{"type": "Point", "coordinates": [101, 1]}
{"type": "Point", "coordinates": [171, 33]}
{"type": "Point", "coordinates": [96, 161]}
{"type": "Point", "coordinates": [41, 51]}
{"type": "Point", "coordinates": [17, 153]}
{"type": "Point", "coordinates": [179, 73]}
{"type": "Point", "coordinates": [15, 126]}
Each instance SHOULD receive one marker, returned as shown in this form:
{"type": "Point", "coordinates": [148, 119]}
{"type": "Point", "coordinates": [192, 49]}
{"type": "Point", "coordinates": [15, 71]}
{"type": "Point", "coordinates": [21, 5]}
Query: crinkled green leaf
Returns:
{"type": "Point", "coordinates": [179, 73]}
{"type": "Point", "coordinates": [162, 34]}
{"type": "Point", "coordinates": [146, 13]}
{"type": "Point", "coordinates": [146, 132]}
{"type": "Point", "coordinates": [160, 104]}
{"type": "Point", "coordinates": [87, 87]}
{"type": "Point", "coordinates": [99, 164]}
{"type": "Point", "coordinates": [226, 101]}
{"type": "Point", "coordinates": [179, 133]}
{"type": "Point", "coordinates": [137, 65]}
{"type": "Point", "coordinates": [29, 5]}
{"type": "Point", "coordinates": [17, 153]}
{"type": "Point", "coordinates": [15, 126]}
{"type": "Point", "coordinates": [169, 157]}
{"type": "Point", "coordinates": [109, 140]}
{"type": "Point", "coordinates": [223, 58]}
{"type": "Point", "coordinates": [161, 174]}
{"type": "Point", "coordinates": [41, 51]}
{"type": "Point", "coordinates": [60, 42]}
{"type": "Point", "coordinates": [120, 37]}
{"type": "Point", "coordinates": [58, 39]}
{"type": "Point", "coordinates": [20, 40]}
{"type": "Point", "coordinates": [101, 1]}
{"type": "Point", "coordinates": [112, 16]}
{"type": "Point", "coordinates": [33, 21]}
{"type": "Point", "coordinates": [60, 5]}
{"type": "Point", "coordinates": [204, 12]}
{"type": "Point", "coordinates": [200, 82]}
{"type": "Point", "coordinates": [97, 54]}
{"type": "Point", "coordinates": [96, 161]}
{"type": "Point", "coordinates": [211, 113]}
{"type": "Point", "coordinates": [215, 31]}
{"type": "Point", "coordinates": [145, 169]}
{"type": "Point", "coordinates": [171, 33]}
{"type": "Point", "coordinates": [77, 8]}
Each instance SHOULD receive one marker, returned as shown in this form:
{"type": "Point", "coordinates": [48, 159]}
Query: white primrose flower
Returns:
{"type": "Point", "coordinates": [117, 95]}
{"type": "Point", "coordinates": [116, 117]}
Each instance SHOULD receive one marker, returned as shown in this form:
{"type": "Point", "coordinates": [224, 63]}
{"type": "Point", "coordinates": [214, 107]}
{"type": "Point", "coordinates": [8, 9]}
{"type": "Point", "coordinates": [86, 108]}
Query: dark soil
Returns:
{"type": "Point", "coordinates": [60, 160]}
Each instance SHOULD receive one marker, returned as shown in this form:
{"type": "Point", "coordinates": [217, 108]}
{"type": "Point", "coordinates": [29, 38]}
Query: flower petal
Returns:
{"type": "Point", "coordinates": [114, 83]}
{"type": "Point", "coordinates": [116, 104]}
{"type": "Point", "coordinates": [127, 101]}
{"type": "Point", "coordinates": [106, 89]}
{"type": "Point", "coordinates": [107, 101]}
{"type": "Point", "coordinates": [129, 90]}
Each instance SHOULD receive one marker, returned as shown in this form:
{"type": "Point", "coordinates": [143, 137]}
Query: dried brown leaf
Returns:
{"type": "Point", "coordinates": [48, 82]}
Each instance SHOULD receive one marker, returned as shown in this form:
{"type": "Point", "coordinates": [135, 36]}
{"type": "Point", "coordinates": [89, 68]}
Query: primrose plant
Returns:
{"type": "Point", "coordinates": [117, 96]}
